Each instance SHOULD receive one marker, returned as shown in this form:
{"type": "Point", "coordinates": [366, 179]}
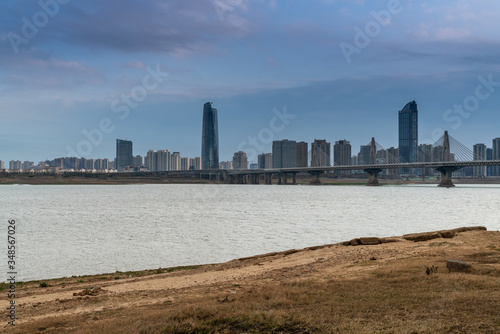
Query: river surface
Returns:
{"type": "Point", "coordinates": [71, 230]}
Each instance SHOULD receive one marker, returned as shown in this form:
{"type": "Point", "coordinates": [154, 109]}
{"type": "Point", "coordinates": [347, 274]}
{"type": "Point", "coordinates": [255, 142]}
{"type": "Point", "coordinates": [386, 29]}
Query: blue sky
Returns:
{"type": "Point", "coordinates": [342, 69]}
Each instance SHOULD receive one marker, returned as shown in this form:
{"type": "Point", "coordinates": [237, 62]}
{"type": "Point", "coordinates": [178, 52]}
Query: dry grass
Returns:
{"type": "Point", "coordinates": [396, 298]}
{"type": "Point", "coordinates": [375, 296]}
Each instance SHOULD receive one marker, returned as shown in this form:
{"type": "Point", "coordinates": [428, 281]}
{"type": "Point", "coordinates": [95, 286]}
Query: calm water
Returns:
{"type": "Point", "coordinates": [84, 229]}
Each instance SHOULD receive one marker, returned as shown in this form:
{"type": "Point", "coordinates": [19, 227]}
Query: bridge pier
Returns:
{"type": "Point", "coordinates": [446, 173]}
{"type": "Point", "coordinates": [373, 180]}
{"type": "Point", "coordinates": [294, 178]}
{"type": "Point", "coordinates": [285, 178]}
{"type": "Point", "coordinates": [254, 178]}
{"type": "Point", "coordinates": [315, 180]}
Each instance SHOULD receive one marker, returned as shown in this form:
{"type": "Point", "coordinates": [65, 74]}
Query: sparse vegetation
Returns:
{"type": "Point", "coordinates": [390, 295]}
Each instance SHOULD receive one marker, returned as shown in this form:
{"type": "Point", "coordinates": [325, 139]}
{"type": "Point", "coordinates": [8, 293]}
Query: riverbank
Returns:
{"type": "Point", "coordinates": [388, 287]}
{"type": "Point", "coordinates": [125, 178]}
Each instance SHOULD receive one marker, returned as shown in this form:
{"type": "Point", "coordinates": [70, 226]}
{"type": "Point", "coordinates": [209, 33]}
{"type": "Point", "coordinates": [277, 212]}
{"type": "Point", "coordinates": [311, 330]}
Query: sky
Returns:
{"type": "Point", "coordinates": [77, 75]}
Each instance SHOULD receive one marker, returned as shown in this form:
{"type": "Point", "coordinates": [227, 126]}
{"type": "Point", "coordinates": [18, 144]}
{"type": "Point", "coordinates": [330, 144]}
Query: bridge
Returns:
{"type": "Point", "coordinates": [445, 167]}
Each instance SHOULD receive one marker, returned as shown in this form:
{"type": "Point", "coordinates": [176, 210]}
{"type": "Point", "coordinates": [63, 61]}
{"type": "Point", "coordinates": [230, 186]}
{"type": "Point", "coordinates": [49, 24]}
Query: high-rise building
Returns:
{"type": "Point", "coordinates": [480, 154]}
{"type": "Point", "coordinates": [175, 161]}
{"type": "Point", "coordinates": [408, 133]}
{"type": "Point", "coordinates": [102, 164]}
{"type": "Point", "coordinates": [240, 160]}
{"type": "Point", "coordinates": [226, 165]}
{"type": "Point", "coordinates": [210, 138]}
{"type": "Point", "coordinates": [89, 164]}
{"type": "Point", "coordinates": [124, 155]}
{"type": "Point", "coordinates": [342, 153]}
{"type": "Point", "coordinates": [28, 165]}
{"type": "Point", "coordinates": [301, 154]}
{"type": "Point", "coordinates": [158, 160]}
{"type": "Point", "coordinates": [364, 155]}
{"type": "Point", "coordinates": [15, 164]}
{"type": "Point", "coordinates": [254, 165]}
{"type": "Point", "coordinates": [284, 153]}
{"type": "Point", "coordinates": [138, 161]}
{"type": "Point", "coordinates": [320, 153]}
{"type": "Point", "coordinates": [489, 156]}
{"type": "Point", "coordinates": [184, 163]}
{"type": "Point", "coordinates": [495, 155]}
{"type": "Point", "coordinates": [195, 163]}
{"type": "Point", "coordinates": [265, 161]}
{"type": "Point", "coordinates": [2, 165]}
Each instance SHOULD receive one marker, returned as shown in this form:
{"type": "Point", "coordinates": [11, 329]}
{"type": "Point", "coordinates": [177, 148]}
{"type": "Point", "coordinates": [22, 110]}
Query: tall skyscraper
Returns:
{"type": "Point", "coordinates": [320, 153]}
{"type": "Point", "coordinates": [240, 160]}
{"type": "Point", "coordinates": [284, 153]}
{"type": "Point", "coordinates": [124, 155]}
{"type": "Point", "coordinates": [479, 154]}
{"type": "Point", "coordinates": [495, 155]}
{"type": "Point", "coordinates": [408, 133]}
{"type": "Point", "coordinates": [301, 154]}
{"type": "Point", "coordinates": [210, 138]}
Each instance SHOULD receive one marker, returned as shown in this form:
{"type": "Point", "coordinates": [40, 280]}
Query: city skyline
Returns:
{"type": "Point", "coordinates": [71, 88]}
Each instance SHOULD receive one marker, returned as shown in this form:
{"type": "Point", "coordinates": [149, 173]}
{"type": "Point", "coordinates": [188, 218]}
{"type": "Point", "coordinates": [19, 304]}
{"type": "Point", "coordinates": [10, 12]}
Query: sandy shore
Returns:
{"type": "Point", "coordinates": [127, 301]}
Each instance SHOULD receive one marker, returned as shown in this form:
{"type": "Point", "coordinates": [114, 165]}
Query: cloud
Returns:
{"type": "Point", "coordinates": [451, 33]}
{"type": "Point", "coordinates": [135, 65]}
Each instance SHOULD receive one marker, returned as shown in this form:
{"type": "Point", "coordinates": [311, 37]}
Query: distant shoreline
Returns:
{"type": "Point", "coordinates": [124, 179]}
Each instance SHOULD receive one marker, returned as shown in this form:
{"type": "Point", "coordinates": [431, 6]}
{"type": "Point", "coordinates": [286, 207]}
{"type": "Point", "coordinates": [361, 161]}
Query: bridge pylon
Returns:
{"type": "Point", "coordinates": [315, 174]}
{"type": "Point", "coordinates": [373, 172]}
{"type": "Point", "coordinates": [446, 171]}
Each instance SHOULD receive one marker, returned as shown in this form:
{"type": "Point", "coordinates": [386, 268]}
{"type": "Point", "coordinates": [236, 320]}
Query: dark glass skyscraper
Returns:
{"type": "Point", "coordinates": [408, 133]}
{"type": "Point", "coordinates": [210, 138]}
{"type": "Point", "coordinates": [124, 155]}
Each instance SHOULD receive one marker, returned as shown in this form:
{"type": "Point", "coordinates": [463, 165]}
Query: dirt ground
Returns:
{"type": "Point", "coordinates": [84, 304]}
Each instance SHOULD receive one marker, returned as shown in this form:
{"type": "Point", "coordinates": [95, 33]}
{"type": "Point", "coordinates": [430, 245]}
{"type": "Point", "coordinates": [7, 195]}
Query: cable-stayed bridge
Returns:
{"type": "Point", "coordinates": [446, 156]}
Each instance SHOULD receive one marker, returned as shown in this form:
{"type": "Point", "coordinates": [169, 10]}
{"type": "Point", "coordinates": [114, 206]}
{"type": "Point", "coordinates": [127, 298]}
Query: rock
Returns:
{"type": "Point", "coordinates": [354, 242]}
{"type": "Point", "coordinates": [448, 233]}
{"type": "Point", "coordinates": [387, 240]}
{"type": "Point", "coordinates": [456, 265]}
{"type": "Point", "coordinates": [416, 237]}
{"type": "Point", "coordinates": [369, 241]}
{"type": "Point", "coordinates": [469, 228]}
